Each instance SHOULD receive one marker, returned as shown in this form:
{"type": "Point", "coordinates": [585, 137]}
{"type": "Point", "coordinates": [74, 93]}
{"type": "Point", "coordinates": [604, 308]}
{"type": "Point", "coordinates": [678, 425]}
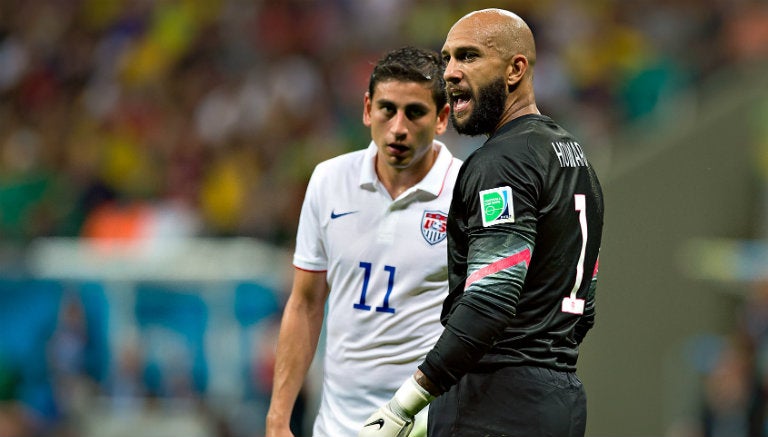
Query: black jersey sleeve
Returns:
{"type": "Point", "coordinates": [498, 194]}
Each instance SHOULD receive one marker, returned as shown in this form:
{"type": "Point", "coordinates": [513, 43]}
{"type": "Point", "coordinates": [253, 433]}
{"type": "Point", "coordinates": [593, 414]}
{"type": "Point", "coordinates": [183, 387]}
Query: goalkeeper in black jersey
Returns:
{"type": "Point", "coordinates": [524, 232]}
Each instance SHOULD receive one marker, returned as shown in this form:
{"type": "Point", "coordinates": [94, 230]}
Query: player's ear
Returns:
{"type": "Point", "coordinates": [516, 69]}
{"type": "Point", "coordinates": [367, 109]}
{"type": "Point", "coordinates": [442, 119]}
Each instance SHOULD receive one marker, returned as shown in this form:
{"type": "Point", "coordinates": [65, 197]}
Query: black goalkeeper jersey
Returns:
{"type": "Point", "coordinates": [524, 232]}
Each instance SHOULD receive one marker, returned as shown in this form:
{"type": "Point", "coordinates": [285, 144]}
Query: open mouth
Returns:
{"type": "Point", "coordinates": [460, 100]}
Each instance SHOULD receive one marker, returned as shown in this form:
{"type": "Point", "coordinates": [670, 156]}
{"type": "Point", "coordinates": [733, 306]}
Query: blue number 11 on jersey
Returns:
{"type": "Point", "coordinates": [385, 308]}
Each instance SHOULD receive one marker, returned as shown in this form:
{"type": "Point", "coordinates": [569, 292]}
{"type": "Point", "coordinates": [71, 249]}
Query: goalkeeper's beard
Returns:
{"type": "Point", "coordinates": [489, 107]}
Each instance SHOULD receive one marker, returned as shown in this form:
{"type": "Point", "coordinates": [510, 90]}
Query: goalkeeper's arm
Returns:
{"type": "Point", "coordinates": [466, 338]}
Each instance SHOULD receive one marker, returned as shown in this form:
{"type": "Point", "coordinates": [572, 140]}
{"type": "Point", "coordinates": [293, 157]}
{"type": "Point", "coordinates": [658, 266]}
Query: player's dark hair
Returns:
{"type": "Point", "coordinates": [412, 64]}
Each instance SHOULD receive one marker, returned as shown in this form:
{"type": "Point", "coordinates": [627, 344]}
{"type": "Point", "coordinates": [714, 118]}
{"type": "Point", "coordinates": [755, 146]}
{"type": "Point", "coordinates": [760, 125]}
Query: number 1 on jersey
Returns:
{"type": "Point", "coordinates": [572, 304]}
{"type": "Point", "coordinates": [385, 308]}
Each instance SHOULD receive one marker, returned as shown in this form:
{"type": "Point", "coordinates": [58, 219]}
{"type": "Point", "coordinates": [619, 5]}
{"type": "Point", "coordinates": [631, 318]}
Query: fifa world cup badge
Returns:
{"type": "Point", "coordinates": [497, 206]}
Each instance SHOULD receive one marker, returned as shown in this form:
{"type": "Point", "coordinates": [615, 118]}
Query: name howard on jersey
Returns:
{"type": "Point", "coordinates": [570, 154]}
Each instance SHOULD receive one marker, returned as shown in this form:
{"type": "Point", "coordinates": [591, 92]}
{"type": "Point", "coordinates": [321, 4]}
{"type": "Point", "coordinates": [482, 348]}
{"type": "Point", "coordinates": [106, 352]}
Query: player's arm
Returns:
{"type": "Point", "coordinates": [468, 335]}
{"type": "Point", "coordinates": [497, 265]}
{"type": "Point", "coordinates": [297, 342]}
{"type": "Point", "coordinates": [499, 261]}
{"type": "Point", "coordinates": [500, 202]}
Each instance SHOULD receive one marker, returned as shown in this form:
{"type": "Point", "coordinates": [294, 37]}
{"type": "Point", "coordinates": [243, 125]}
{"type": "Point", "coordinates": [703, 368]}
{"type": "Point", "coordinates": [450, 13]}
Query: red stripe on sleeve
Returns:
{"type": "Point", "coordinates": [517, 258]}
{"type": "Point", "coordinates": [597, 264]}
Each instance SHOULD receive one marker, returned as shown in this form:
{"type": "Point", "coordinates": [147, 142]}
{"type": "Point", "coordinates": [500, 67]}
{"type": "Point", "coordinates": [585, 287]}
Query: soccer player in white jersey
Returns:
{"type": "Point", "coordinates": [371, 243]}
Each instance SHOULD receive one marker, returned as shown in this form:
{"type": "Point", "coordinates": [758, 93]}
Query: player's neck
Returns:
{"type": "Point", "coordinates": [398, 180]}
{"type": "Point", "coordinates": [517, 106]}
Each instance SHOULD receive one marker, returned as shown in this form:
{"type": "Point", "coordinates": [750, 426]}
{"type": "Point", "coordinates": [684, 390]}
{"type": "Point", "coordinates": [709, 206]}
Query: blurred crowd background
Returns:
{"type": "Point", "coordinates": [217, 110]}
{"type": "Point", "coordinates": [153, 119]}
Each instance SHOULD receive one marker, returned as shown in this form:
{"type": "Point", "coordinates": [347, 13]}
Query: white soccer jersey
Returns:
{"type": "Point", "coordinates": [386, 267]}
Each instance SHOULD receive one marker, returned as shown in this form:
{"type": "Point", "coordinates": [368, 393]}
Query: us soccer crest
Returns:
{"type": "Point", "coordinates": [433, 226]}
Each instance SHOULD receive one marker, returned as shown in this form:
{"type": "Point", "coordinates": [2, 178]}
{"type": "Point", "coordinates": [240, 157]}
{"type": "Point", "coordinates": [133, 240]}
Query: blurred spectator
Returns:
{"type": "Point", "coordinates": [70, 361]}
{"type": "Point", "coordinates": [732, 399]}
{"type": "Point", "coordinates": [125, 385]}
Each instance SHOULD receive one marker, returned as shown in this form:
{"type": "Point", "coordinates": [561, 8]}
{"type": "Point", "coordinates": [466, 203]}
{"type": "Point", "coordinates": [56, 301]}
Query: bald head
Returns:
{"type": "Point", "coordinates": [489, 58]}
{"type": "Point", "coordinates": [500, 30]}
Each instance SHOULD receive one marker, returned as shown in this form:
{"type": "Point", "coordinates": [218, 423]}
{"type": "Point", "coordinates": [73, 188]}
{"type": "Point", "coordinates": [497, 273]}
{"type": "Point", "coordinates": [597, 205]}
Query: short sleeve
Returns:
{"type": "Point", "coordinates": [310, 253]}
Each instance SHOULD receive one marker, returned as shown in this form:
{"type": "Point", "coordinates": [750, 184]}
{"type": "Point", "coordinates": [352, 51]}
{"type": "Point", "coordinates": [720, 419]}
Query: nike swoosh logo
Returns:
{"type": "Point", "coordinates": [378, 421]}
{"type": "Point", "coordinates": [341, 214]}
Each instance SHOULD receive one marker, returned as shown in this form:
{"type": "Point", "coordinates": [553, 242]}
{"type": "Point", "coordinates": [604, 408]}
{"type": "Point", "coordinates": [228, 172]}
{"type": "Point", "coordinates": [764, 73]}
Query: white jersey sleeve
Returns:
{"type": "Point", "coordinates": [310, 253]}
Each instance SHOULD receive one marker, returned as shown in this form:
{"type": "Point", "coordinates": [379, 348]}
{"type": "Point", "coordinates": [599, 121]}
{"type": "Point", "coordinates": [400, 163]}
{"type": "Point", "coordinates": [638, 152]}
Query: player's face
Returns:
{"type": "Point", "coordinates": [475, 82]}
{"type": "Point", "coordinates": [404, 120]}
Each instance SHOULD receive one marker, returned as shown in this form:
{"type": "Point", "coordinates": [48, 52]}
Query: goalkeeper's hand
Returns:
{"type": "Point", "coordinates": [395, 419]}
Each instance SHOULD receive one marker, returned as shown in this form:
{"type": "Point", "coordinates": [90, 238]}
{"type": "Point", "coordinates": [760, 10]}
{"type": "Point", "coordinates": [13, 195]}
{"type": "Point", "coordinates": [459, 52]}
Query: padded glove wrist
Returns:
{"type": "Point", "coordinates": [411, 397]}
